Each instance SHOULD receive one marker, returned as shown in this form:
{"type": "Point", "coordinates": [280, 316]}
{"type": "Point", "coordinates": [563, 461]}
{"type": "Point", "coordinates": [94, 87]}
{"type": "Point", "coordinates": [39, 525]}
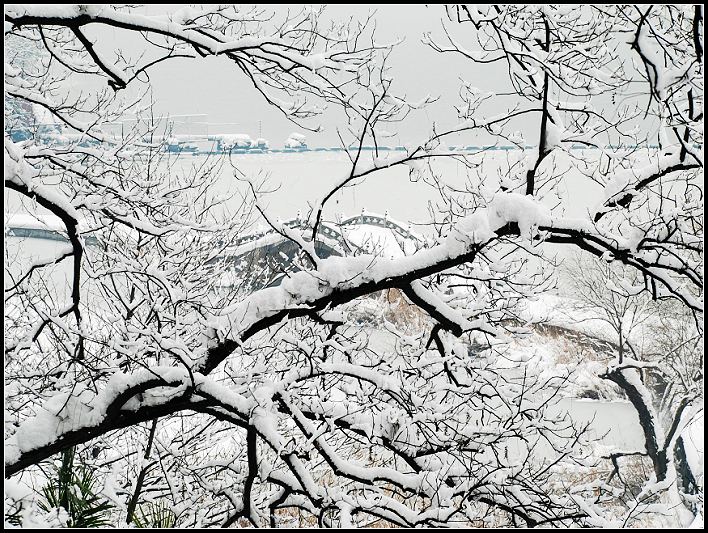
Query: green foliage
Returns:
{"type": "Point", "coordinates": [74, 489]}
{"type": "Point", "coordinates": [155, 514]}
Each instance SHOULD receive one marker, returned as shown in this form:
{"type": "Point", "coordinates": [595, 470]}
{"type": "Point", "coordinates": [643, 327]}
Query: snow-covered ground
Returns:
{"type": "Point", "coordinates": [613, 422]}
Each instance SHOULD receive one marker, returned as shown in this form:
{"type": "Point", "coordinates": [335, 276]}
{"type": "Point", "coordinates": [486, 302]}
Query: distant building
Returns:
{"type": "Point", "coordinates": [238, 142]}
{"type": "Point", "coordinates": [296, 141]}
{"type": "Point", "coordinates": [24, 120]}
{"type": "Point", "coordinates": [181, 146]}
{"type": "Point", "coordinates": [226, 142]}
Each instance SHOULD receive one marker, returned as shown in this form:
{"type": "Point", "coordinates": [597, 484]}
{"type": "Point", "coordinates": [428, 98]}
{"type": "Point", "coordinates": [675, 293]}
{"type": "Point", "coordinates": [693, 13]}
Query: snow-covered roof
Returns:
{"type": "Point", "coordinates": [28, 221]}
{"type": "Point", "coordinates": [239, 140]}
{"type": "Point", "coordinates": [378, 240]}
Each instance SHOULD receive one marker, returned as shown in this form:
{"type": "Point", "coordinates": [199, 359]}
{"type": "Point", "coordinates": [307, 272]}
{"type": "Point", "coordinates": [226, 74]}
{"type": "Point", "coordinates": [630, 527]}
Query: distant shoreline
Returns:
{"type": "Point", "coordinates": [461, 149]}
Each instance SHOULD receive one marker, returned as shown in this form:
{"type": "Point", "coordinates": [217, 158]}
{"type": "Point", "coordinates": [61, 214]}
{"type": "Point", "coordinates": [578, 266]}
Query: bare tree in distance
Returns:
{"type": "Point", "coordinates": [657, 364]}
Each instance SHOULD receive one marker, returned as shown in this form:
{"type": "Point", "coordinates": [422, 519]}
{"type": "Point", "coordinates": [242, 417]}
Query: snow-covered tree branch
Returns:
{"type": "Point", "coordinates": [213, 374]}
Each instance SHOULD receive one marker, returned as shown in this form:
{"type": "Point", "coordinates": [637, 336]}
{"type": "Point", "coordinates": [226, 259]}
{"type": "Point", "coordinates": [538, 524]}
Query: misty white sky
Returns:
{"type": "Point", "coordinates": [216, 88]}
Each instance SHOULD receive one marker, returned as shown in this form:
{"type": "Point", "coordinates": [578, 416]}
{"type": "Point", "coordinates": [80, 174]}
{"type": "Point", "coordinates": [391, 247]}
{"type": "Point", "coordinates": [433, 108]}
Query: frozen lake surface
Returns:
{"type": "Point", "coordinates": [299, 179]}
